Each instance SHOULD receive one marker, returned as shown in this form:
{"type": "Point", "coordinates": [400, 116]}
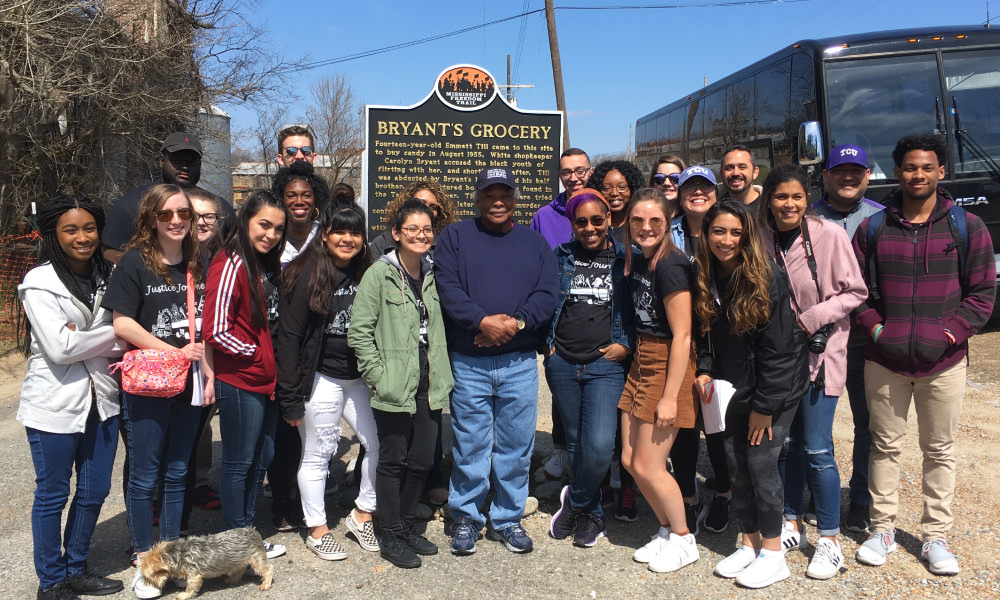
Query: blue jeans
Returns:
{"type": "Point", "coordinates": [587, 397]}
{"type": "Point", "coordinates": [494, 411]}
{"type": "Point", "coordinates": [55, 455]}
{"type": "Point", "coordinates": [160, 433]}
{"type": "Point", "coordinates": [247, 422]}
{"type": "Point", "coordinates": [858, 487]}
{"type": "Point", "coordinates": [808, 452]}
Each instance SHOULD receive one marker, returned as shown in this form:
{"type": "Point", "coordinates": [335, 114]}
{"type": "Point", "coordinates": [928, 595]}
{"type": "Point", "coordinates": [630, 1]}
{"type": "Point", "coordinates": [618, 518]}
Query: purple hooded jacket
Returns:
{"type": "Point", "coordinates": [551, 221]}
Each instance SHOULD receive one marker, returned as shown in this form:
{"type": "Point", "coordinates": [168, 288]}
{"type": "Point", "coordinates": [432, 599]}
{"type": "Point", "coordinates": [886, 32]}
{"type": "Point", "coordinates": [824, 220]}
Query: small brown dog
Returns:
{"type": "Point", "coordinates": [196, 558]}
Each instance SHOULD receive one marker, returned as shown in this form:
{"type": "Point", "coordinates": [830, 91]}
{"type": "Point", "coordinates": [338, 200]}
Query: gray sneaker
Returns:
{"type": "Point", "coordinates": [875, 549]}
{"type": "Point", "coordinates": [939, 558]}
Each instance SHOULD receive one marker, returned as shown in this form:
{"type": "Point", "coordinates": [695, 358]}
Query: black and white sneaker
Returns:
{"type": "Point", "coordinates": [274, 550]}
{"type": "Point", "coordinates": [717, 518]}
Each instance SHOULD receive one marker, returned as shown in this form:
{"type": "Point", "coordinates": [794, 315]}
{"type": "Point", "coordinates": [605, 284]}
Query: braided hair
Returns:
{"type": "Point", "coordinates": [52, 253]}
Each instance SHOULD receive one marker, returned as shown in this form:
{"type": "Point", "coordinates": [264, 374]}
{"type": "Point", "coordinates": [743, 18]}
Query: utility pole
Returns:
{"type": "Point", "coordinates": [550, 20]}
{"type": "Point", "coordinates": [510, 95]}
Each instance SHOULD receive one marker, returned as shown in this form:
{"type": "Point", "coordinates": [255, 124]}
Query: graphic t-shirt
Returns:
{"type": "Point", "coordinates": [585, 321]}
{"type": "Point", "coordinates": [87, 285]}
{"type": "Point", "coordinates": [158, 306]}
{"type": "Point", "coordinates": [337, 358]}
{"type": "Point", "coordinates": [416, 286]}
{"type": "Point", "coordinates": [673, 273]}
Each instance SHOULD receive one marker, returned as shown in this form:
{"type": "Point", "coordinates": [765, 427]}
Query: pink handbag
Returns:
{"type": "Point", "coordinates": [158, 373]}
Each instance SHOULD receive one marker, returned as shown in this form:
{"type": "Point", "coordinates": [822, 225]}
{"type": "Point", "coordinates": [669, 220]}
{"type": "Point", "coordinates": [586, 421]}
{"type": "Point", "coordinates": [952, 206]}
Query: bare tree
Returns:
{"type": "Point", "coordinates": [89, 88]}
{"type": "Point", "coordinates": [336, 118]}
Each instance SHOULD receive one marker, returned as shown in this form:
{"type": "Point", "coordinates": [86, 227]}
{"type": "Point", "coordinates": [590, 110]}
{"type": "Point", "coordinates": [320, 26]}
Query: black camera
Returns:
{"type": "Point", "coordinates": [818, 340]}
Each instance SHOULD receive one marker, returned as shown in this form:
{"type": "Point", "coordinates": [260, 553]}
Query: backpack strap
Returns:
{"type": "Point", "coordinates": [875, 223]}
{"type": "Point", "coordinates": [959, 226]}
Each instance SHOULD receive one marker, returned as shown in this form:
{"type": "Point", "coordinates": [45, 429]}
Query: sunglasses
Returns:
{"type": "Point", "coordinates": [596, 221]}
{"type": "Point", "coordinates": [292, 150]}
{"type": "Point", "coordinates": [659, 178]}
{"type": "Point", "coordinates": [701, 186]}
{"type": "Point", "coordinates": [166, 216]}
{"type": "Point", "coordinates": [655, 223]}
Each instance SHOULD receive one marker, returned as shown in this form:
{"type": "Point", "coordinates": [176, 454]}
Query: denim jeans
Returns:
{"type": "Point", "coordinates": [587, 396]}
{"type": "Point", "coordinates": [808, 454]}
{"type": "Point", "coordinates": [55, 455]}
{"type": "Point", "coordinates": [494, 411]}
{"type": "Point", "coordinates": [161, 433]}
{"type": "Point", "coordinates": [858, 486]}
{"type": "Point", "coordinates": [247, 422]}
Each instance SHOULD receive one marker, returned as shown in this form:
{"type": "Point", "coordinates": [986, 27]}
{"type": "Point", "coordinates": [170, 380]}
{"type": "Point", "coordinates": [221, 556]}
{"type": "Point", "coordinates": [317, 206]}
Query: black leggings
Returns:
{"type": "Point", "coordinates": [406, 451]}
{"type": "Point", "coordinates": [758, 494]}
{"type": "Point", "coordinates": [684, 458]}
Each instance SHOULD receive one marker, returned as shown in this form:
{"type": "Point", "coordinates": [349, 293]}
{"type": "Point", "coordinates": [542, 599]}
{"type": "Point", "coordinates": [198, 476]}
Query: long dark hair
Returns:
{"type": "Point", "coordinates": [51, 253]}
{"type": "Point", "coordinates": [257, 265]}
{"type": "Point", "coordinates": [316, 263]}
{"type": "Point", "coordinates": [780, 174]}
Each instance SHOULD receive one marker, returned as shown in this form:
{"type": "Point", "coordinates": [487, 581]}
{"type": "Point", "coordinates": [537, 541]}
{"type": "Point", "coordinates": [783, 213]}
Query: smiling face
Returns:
{"type": "Point", "coordinates": [668, 187]}
{"type": "Point", "coordinates": [266, 227]}
{"type": "Point", "coordinates": [788, 205]}
{"type": "Point", "coordinates": [725, 238]}
{"type": "Point", "coordinates": [647, 226]}
{"type": "Point", "coordinates": [574, 171]}
{"type": "Point", "coordinates": [342, 245]}
{"type": "Point", "coordinates": [918, 174]}
{"type": "Point", "coordinates": [76, 232]}
{"type": "Point", "coordinates": [299, 200]}
{"type": "Point", "coordinates": [845, 185]}
{"type": "Point", "coordinates": [738, 171]}
{"type": "Point", "coordinates": [298, 142]}
{"type": "Point", "coordinates": [176, 229]}
{"type": "Point", "coordinates": [496, 206]}
{"type": "Point", "coordinates": [697, 195]}
{"type": "Point", "coordinates": [415, 235]}
{"type": "Point", "coordinates": [590, 225]}
{"type": "Point", "coordinates": [616, 190]}
{"type": "Point", "coordinates": [205, 210]}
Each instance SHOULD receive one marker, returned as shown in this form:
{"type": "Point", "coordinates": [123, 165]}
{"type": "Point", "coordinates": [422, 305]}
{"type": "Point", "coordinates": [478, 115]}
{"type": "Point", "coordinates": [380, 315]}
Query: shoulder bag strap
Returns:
{"type": "Point", "coordinates": [190, 306]}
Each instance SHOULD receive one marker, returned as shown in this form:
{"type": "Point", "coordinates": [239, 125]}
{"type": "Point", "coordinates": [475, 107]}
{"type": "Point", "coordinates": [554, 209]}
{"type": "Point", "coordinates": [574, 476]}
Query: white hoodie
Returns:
{"type": "Point", "coordinates": [56, 393]}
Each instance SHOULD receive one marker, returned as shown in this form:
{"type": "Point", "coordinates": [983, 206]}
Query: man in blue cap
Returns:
{"type": "Point", "coordinates": [845, 181]}
{"type": "Point", "coordinates": [499, 284]}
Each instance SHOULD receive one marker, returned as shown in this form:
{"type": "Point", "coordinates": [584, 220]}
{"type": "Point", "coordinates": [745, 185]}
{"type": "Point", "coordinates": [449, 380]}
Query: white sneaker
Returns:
{"type": "Point", "coordinates": [735, 563]}
{"type": "Point", "coordinates": [827, 560]}
{"type": "Point", "coordinates": [650, 550]}
{"type": "Point", "coordinates": [142, 588]}
{"type": "Point", "coordinates": [766, 569]}
{"type": "Point", "coordinates": [274, 550]}
{"type": "Point", "coordinates": [939, 558]}
{"type": "Point", "coordinates": [792, 539]}
{"type": "Point", "coordinates": [679, 551]}
{"type": "Point", "coordinates": [558, 464]}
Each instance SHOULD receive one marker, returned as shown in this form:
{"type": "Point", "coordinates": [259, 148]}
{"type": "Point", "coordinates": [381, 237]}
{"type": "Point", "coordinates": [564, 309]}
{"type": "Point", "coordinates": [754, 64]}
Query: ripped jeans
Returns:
{"type": "Point", "coordinates": [320, 430]}
{"type": "Point", "coordinates": [808, 455]}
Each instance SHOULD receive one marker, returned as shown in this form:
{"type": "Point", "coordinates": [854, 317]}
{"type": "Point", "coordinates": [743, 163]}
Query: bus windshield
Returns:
{"type": "Point", "coordinates": [875, 101]}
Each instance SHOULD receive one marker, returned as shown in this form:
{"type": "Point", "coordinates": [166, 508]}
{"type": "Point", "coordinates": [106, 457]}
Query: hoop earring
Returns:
{"type": "Point", "coordinates": [316, 218]}
{"type": "Point", "coordinates": [364, 250]}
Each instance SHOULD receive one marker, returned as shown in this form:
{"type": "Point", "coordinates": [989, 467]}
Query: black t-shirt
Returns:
{"type": "Point", "coordinates": [673, 273]}
{"type": "Point", "coordinates": [337, 358]}
{"type": "Point", "coordinates": [159, 307]}
{"type": "Point", "coordinates": [416, 286]}
{"type": "Point", "coordinates": [585, 321]}
{"type": "Point", "coordinates": [691, 242]}
{"type": "Point", "coordinates": [86, 284]}
{"type": "Point", "coordinates": [787, 238]}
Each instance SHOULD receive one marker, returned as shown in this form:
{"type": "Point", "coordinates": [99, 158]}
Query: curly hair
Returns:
{"type": "Point", "coordinates": [303, 171]}
{"type": "Point", "coordinates": [145, 238]}
{"type": "Point", "coordinates": [446, 211]}
{"type": "Point", "coordinates": [747, 299]}
{"type": "Point", "coordinates": [628, 170]}
{"type": "Point", "coordinates": [920, 141]}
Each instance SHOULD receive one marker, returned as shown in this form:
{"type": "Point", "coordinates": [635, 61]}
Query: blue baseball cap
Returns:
{"type": "Point", "coordinates": [696, 171]}
{"type": "Point", "coordinates": [848, 154]}
{"type": "Point", "coordinates": [491, 175]}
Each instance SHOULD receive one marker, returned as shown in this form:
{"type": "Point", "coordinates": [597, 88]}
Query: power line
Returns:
{"type": "Point", "coordinates": [340, 59]}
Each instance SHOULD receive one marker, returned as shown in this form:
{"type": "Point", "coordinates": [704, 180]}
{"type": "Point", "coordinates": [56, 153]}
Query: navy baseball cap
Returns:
{"type": "Point", "coordinates": [696, 171]}
{"type": "Point", "coordinates": [491, 175]}
{"type": "Point", "coordinates": [176, 142]}
{"type": "Point", "coordinates": [848, 154]}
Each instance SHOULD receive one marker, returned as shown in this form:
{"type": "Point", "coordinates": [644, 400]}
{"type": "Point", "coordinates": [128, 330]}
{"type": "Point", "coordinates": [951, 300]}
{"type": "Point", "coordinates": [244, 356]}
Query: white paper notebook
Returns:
{"type": "Point", "coordinates": [718, 392]}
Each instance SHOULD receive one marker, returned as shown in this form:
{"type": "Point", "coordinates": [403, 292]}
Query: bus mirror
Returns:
{"type": "Point", "coordinates": [810, 143]}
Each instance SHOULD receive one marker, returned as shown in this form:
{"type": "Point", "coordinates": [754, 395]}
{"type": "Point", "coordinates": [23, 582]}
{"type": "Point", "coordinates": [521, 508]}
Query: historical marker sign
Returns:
{"type": "Point", "coordinates": [462, 126]}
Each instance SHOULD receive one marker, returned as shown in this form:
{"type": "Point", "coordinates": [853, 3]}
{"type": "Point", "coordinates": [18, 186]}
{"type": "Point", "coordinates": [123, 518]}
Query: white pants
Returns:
{"type": "Point", "coordinates": [330, 400]}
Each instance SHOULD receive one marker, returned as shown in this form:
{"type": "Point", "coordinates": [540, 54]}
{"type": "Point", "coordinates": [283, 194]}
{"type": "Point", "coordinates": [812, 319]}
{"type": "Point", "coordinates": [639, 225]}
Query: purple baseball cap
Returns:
{"type": "Point", "coordinates": [491, 175]}
{"type": "Point", "coordinates": [696, 171]}
{"type": "Point", "coordinates": [848, 154]}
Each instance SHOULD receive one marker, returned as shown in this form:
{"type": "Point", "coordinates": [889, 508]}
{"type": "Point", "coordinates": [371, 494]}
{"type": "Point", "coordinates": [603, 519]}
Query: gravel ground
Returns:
{"type": "Point", "coordinates": [557, 569]}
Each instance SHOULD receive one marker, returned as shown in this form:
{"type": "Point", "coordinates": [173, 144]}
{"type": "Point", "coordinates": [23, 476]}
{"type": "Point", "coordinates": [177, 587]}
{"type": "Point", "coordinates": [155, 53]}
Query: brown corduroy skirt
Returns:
{"type": "Point", "coordinates": [646, 380]}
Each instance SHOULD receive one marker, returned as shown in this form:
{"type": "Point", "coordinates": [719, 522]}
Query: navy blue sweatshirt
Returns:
{"type": "Point", "coordinates": [481, 272]}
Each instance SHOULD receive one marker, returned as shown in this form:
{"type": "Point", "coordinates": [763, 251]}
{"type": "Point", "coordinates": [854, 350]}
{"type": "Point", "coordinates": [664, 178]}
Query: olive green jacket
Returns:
{"type": "Point", "coordinates": [385, 336]}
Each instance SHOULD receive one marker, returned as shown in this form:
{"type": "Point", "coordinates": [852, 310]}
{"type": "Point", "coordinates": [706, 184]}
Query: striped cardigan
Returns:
{"type": "Point", "coordinates": [922, 291]}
